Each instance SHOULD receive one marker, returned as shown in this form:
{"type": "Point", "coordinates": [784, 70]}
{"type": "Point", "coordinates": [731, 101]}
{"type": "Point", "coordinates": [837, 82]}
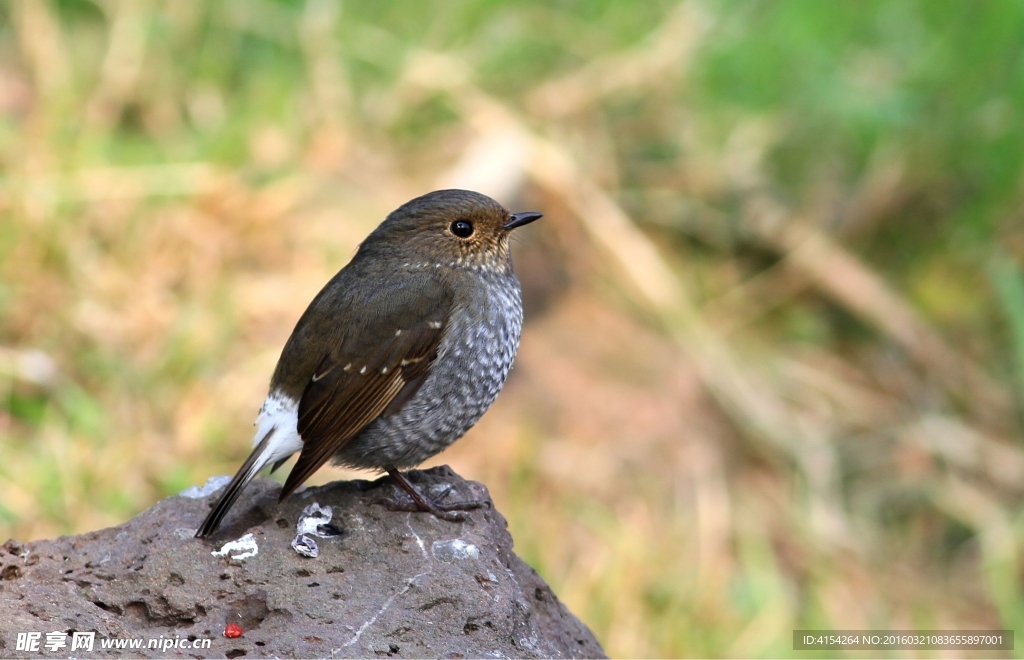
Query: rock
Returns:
{"type": "Point", "coordinates": [382, 583]}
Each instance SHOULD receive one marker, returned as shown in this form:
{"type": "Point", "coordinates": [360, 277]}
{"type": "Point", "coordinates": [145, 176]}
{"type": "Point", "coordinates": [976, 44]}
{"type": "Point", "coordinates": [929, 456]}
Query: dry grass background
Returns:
{"type": "Point", "coordinates": [774, 345]}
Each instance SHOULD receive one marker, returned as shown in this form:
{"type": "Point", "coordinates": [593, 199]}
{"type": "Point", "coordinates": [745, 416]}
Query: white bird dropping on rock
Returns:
{"type": "Point", "coordinates": [305, 546]}
{"type": "Point", "coordinates": [245, 547]}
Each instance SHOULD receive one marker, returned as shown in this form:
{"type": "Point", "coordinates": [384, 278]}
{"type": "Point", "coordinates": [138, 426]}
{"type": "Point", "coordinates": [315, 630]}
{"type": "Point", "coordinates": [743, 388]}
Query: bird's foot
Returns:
{"type": "Point", "coordinates": [450, 512]}
{"type": "Point", "coordinates": [420, 502]}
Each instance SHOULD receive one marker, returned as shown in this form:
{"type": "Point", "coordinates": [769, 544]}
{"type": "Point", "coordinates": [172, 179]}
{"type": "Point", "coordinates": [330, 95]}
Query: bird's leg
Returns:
{"type": "Point", "coordinates": [421, 502]}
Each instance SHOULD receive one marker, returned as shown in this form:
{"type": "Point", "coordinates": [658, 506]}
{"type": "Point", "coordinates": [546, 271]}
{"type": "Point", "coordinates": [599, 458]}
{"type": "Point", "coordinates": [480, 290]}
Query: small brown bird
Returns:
{"type": "Point", "coordinates": [400, 353]}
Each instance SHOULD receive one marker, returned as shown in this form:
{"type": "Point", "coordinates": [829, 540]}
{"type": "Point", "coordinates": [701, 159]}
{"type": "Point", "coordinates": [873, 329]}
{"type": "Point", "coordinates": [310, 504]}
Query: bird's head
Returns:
{"type": "Point", "coordinates": [449, 228]}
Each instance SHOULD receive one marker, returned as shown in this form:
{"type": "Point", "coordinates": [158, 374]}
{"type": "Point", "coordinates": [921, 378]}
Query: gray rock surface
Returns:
{"type": "Point", "coordinates": [386, 583]}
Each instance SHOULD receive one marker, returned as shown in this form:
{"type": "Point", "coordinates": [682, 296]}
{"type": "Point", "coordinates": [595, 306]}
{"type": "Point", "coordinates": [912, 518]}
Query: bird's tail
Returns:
{"type": "Point", "coordinates": [257, 459]}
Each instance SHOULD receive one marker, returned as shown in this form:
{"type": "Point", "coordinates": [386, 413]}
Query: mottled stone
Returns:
{"type": "Point", "coordinates": [384, 583]}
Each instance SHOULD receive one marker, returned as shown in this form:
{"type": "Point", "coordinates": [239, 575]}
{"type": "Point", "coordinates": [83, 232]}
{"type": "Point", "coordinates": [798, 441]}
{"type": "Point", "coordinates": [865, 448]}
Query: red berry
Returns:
{"type": "Point", "coordinates": [233, 630]}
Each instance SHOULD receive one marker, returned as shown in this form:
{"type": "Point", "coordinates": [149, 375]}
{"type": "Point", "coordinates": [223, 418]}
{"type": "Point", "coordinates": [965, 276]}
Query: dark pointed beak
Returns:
{"type": "Point", "coordinates": [520, 219]}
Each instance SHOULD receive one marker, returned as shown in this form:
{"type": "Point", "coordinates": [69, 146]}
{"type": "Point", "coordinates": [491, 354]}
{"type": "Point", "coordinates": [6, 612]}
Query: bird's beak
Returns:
{"type": "Point", "coordinates": [520, 219]}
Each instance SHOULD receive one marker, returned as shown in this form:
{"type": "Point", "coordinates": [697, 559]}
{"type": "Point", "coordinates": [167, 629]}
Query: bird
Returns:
{"type": "Point", "coordinates": [399, 354]}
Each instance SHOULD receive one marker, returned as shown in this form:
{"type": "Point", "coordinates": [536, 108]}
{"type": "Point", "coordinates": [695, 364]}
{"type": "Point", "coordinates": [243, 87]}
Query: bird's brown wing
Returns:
{"type": "Point", "coordinates": [374, 370]}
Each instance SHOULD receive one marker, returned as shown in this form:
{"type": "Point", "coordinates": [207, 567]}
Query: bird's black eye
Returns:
{"type": "Point", "coordinates": [462, 228]}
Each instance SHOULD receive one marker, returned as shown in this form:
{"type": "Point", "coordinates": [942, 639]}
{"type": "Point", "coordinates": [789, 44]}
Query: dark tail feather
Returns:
{"type": "Point", "coordinates": [227, 499]}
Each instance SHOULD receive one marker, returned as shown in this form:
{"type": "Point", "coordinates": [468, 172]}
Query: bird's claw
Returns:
{"type": "Point", "coordinates": [449, 512]}
{"type": "Point", "coordinates": [409, 505]}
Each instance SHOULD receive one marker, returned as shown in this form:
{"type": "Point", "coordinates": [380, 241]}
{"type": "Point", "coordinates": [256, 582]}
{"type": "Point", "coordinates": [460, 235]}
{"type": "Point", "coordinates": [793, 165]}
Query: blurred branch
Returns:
{"type": "Point", "coordinates": [1008, 280]}
{"type": "Point", "coordinates": [967, 450]}
{"type": "Point", "coordinates": [318, 41]}
{"type": "Point", "coordinates": [665, 51]}
{"type": "Point", "coordinates": [883, 188]}
{"type": "Point", "coordinates": [122, 64]}
{"type": "Point", "coordinates": [755, 297]}
{"type": "Point", "coordinates": [492, 163]}
{"type": "Point", "coordinates": [992, 523]}
{"type": "Point", "coordinates": [41, 41]}
{"type": "Point", "coordinates": [822, 381]}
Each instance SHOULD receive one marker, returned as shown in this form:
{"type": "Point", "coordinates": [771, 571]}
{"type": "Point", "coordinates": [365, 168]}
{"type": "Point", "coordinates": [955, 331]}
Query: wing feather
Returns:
{"type": "Point", "coordinates": [338, 402]}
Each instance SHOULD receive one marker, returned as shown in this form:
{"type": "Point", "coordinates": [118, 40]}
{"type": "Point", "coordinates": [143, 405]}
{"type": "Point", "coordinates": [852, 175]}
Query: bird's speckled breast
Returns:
{"type": "Point", "coordinates": [473, 361]}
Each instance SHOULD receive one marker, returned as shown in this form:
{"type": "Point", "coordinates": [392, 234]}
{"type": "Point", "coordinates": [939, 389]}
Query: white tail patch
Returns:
{"type": "Point", "coordinates": [279, 414]}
